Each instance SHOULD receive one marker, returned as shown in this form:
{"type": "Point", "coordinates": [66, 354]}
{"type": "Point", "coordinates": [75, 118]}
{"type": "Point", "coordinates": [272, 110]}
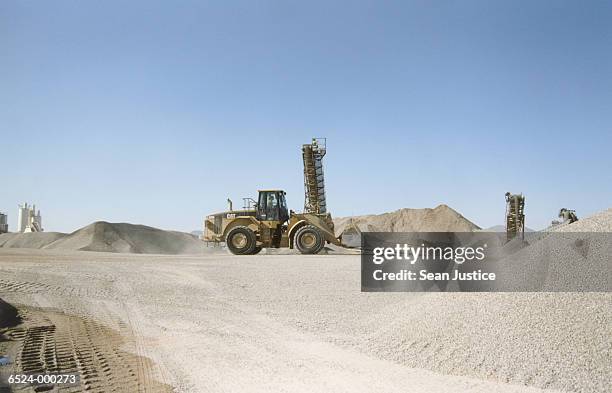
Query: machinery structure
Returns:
{"type": "Point", "coordinates": [267, 223]}
{"type": "Point", "coordinates": [515, 216]}
{"type": "Point", "coordinates": [28, 219]}
{"type": "Point", "coordinates": [3, 223]}
{"type": "Point", "coordinates": [567, 216]}
{"type": "Point", "coordinates": [314, 183]}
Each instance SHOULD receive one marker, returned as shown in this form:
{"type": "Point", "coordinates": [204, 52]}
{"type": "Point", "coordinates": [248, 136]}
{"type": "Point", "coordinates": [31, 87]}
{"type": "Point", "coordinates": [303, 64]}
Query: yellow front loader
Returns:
{"type": "Point", "coordinates": [267, 222]}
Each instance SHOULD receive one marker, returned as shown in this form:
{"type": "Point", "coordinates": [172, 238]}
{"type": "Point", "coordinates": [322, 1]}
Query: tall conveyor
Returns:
{"type": "Point", "coordinates": [515, 216]}
{"type": "Point", "coordinates": [314, 183]}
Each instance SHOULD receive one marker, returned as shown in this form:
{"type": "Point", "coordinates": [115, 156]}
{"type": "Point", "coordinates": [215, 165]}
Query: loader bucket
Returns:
{"type": "Point", "coordinates": [351, 236]}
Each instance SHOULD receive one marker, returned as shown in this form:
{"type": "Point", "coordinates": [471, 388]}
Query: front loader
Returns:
{"type": "Point", "coordinates": [267, 223]}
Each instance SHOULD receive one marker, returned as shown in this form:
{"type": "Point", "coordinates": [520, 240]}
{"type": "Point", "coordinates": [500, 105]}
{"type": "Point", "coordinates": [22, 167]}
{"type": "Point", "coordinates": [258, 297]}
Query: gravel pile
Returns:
{"type": "Point", "coordinates": [110, 237]}
{"type": "Point", "coordinates": [440, 219]}
{"type": "Point", "coordinates": [571, 257]}
{"type": "Point", "coordinates": [551, 340]}
{"type": "Point", "coordinates": [548, 340]}
{"type": "Point", "coordinates": [29, 240]}
{"type": "Point", "coordinates": [559, 262]}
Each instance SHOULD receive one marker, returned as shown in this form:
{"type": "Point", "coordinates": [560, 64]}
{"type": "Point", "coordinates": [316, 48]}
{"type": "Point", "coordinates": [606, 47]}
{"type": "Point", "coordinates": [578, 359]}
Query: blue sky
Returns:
{"type": "Point", "coordinates": [155, 112]}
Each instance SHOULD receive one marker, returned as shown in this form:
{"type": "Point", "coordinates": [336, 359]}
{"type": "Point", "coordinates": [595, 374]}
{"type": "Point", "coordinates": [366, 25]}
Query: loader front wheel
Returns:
{"type": "Point", "coordinates": [241, 241]}
{"type": "Point", "coordinates": [309, 240]}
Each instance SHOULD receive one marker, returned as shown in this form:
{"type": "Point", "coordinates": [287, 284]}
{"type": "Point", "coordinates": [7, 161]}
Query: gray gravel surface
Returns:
{"type": "Point", "coordinates": [297, 323]}
{"type": "Point", "coordinates": [294, 323]}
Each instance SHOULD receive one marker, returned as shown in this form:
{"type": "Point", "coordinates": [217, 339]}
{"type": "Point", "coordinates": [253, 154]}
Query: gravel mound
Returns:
{"type": "Point", "coordinates": [128, 238]}
{"type": "Point", "coordinates": [440, 219]}
{"type": "Point", "coordinates": [560, 262]}
{"type": "Point", "coordinates": [29, 240]}
{"type": "Point", "coordinates": [548, 340]}
{"type": "Point", "coordinates": [568, 257]}
{"type": "Point", "coordinates": [110, 237]}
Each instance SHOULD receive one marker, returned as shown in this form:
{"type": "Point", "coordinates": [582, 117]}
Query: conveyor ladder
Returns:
{"type": "Point", "coordinates": [314, 184]}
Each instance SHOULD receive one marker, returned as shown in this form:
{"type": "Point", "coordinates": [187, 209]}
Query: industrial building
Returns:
{"type": "Point", "coordinates": [3, 223]}
{"type": "Point", "coordinates": [29, 220]}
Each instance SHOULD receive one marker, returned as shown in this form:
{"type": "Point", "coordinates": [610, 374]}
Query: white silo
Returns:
{"type": "Point", "coordinates": [29, 220]}
{"type": "Point", "coordinates": [3, 223]}
{"type": "Point", "coordinates": [22, 217]}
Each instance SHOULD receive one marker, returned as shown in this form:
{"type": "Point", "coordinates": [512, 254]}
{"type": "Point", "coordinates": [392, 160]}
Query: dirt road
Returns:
{"type": "Point", "coordinates": [265, 323]}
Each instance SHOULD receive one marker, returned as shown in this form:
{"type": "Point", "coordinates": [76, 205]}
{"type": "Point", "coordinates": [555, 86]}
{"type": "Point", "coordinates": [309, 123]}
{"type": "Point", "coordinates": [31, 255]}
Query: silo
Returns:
{"type": "Point", "coordinates": [3, 223]}
{"type": "Point", "coordinates": [22, 217]}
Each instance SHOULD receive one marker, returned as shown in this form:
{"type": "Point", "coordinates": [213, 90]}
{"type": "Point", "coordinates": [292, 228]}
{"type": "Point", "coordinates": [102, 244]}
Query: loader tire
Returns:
{"type": "Point", "coordinates": [241, 241]}
{"type": "Point", "coordinates": [309, 240]}
{"type": "Point", "coordinates": [256, 250]}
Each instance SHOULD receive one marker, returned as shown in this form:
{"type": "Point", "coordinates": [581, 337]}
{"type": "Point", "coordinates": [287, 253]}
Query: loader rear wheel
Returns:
{"type": "Point", "coordinates": [241, 241]}
{"type": "Point", "coordinates": [256, 250]}
{"type": "Point", "coordinates": [309, 240]}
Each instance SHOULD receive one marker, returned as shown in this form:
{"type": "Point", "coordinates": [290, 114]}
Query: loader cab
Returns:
{"type": "Point", "coordinates": [272, 206]}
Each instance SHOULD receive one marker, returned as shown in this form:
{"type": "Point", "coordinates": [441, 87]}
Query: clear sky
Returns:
{"type": "Point", "coordinates": [155, 112]}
